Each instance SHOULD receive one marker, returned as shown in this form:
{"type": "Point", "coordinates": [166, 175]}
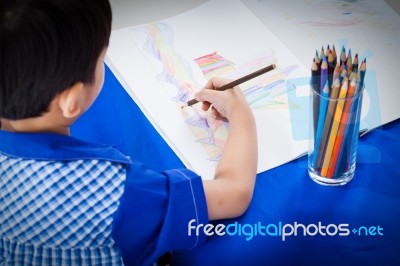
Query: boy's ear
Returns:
{"type": "Point", "coordinates": [70, 101]}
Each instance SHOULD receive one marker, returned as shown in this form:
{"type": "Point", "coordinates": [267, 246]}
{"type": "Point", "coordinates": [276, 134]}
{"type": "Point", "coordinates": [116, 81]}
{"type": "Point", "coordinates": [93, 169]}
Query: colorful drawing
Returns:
{"type": "Point", "coordinates": [267, 91]}
{"type": "Point", "coordinates": [176, 71]}
{"type": "Point", "coordinates": [213, 64]}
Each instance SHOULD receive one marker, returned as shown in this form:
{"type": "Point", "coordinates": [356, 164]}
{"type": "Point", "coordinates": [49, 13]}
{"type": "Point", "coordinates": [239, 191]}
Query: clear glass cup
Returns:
{"type": "Point", "coordinates": [334, 130]}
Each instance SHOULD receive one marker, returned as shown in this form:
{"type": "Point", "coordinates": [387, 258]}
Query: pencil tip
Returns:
{"type": "Point", "coordinates": [184, 105]}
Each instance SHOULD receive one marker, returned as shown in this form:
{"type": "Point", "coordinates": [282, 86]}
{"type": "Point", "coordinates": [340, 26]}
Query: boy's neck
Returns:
{"type": "Point", "coordinates": [33, 125]}
{"type": "Point", "coordinates": [52, 121]}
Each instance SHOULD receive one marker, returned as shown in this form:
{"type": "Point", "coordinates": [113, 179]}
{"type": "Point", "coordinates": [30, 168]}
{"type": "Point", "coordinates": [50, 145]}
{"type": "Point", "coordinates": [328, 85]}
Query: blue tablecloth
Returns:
{"type": "Point", "coordinates": [284, 198]}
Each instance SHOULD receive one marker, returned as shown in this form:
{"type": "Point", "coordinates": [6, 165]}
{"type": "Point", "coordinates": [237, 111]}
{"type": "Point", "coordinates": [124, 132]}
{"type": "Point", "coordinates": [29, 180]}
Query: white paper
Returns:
{"type": "Point", "coordinates": [155, 64]}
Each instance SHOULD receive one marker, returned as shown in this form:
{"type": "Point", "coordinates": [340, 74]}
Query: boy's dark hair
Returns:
{"type": "Point", "coordinates": [47, 46]}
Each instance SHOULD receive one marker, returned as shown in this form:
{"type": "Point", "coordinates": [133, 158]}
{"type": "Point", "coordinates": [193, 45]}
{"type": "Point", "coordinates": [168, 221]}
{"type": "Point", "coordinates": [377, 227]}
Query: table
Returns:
{"type": "Point", "coordinates": [367, 209]}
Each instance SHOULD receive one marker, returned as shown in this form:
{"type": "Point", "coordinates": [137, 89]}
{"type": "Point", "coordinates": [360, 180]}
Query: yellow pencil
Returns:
{"type": "Point", "coordinates": [335, 127]}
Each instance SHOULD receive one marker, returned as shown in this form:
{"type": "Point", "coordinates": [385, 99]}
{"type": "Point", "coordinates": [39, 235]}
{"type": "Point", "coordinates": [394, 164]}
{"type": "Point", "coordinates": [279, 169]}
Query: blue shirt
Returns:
{"type": "Point", "coordinates": [66, 201]}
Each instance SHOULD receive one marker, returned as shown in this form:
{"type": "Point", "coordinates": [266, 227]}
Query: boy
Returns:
{"type": "Point", "coordinates": [66, 201]}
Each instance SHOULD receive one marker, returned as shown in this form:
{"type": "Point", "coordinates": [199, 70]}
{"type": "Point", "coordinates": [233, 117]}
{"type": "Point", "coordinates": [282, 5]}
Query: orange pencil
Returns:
{"type": "Point", "coordinates": [335, 126]}
{"type": "Point", "coordinates": [343, 155]}
{"type": "Point", "coordinates": [342, 128]}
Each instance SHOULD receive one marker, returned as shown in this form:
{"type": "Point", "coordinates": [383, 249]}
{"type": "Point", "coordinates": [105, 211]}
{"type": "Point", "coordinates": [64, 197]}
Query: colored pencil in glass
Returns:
{"type": "Point", "coordinates": [335, 126]}
{"type": "Point", "coordinates": [344, 152]}
{"type": "Point", "coordinates": [343, 59]}
{"type": "Point", "coordinates": [331, 67]}
{"type": "Point", "coordinates": [355, 64]}
{"type": "Point", "coordinates": [324, 73]}
{"type": "Point", "coordinates": [327, 122]}
{"type": "Point", "coordinates": [318, 146]}
{"type": "Point", "coordinates": [334, 55]}
{"type": "Point", "coordinates": [315, 81]}
{"type": "Point", "coordinates": [344, 122]}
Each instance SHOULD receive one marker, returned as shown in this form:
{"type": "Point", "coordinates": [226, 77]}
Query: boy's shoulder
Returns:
{"type": "Point", "coordinates": [56, 147]}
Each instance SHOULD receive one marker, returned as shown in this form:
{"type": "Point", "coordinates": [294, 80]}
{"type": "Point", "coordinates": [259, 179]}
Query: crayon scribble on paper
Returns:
{"type": "Point", "coordinates": [176, 72]}
{"type": "Point", "coordinates": [266, 91]}
{"type": "Point", "coordinates": [214, 64]}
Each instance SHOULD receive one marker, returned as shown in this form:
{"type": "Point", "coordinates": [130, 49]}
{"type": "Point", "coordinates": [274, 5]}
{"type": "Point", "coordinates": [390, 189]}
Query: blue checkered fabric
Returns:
{"type": "Point", "coordinates": [58, 212]}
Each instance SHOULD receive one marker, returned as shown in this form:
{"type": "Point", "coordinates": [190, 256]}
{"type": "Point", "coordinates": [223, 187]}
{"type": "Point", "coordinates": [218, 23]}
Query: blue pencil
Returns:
{"type": "Point", "coordinates": [320, 126]}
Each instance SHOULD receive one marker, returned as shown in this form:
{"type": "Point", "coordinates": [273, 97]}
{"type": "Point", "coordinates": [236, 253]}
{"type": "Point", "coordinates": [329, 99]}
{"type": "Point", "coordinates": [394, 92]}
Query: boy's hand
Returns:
{"type": "Point", "coordinates": [224, 103]}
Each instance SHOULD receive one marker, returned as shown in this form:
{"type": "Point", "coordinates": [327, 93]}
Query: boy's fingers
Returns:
{"type": "Point", "coordinates": [203, 97]}
{"type": "Point", "coordinates": [206, 95]}
{"type": "Point", "coordinates": [215, 83]}
{"type": "Point", "coordinates": [205, 106]}
{"type": "Point", "coordinates": [215, 111]}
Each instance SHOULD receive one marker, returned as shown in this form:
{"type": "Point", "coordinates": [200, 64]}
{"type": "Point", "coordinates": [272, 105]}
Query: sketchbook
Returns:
{"type": "Point", "coordinates": [162, 64]}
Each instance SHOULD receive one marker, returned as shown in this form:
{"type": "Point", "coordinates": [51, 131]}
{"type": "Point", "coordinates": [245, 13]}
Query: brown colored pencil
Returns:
{"type": "Point", "coordinates": [237, 82]}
